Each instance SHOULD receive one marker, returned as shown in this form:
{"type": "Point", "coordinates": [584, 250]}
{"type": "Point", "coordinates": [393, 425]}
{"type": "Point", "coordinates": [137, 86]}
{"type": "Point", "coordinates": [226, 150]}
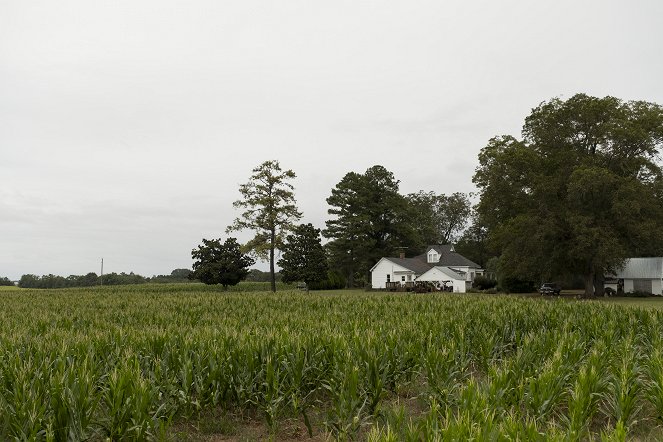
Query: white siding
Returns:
{"type": "Point", "coordinates": [467, 270]}
{"type": "Point", "coordinates": [383, 268]}
{"type": "Point", "coordinates": [657, 287]}
{"type": "Point", "coordinates": [435, 275]}
{"type": "Point", "coordinates": [628, 285]}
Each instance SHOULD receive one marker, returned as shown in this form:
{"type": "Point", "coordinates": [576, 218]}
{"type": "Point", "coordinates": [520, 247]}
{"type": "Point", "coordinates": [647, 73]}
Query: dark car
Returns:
{"type": "Point", "coordinates": [549, 288]}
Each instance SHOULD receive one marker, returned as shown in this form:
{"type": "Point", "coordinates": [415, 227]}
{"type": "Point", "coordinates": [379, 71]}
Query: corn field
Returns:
{"type": "Point", "coordinates": [126, 363]}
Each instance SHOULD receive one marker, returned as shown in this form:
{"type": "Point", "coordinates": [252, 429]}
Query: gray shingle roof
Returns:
{"type": "Point", "coordinates": [448, 258]}
{"type": "Point", "coordinates": [417, 265]}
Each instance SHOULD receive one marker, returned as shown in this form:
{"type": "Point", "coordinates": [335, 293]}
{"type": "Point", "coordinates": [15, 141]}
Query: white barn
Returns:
{"type": "Point", "coordinates": [640, 275]}
{"type": "Point", "coordinates": [441, 264]}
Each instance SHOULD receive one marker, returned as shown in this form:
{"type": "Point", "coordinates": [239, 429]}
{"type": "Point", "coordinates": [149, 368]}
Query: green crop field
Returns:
{"type": "Point", "coordinates": [185, 362]}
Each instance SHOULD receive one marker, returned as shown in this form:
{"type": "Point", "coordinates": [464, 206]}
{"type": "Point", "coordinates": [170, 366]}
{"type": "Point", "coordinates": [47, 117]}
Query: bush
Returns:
{"type": "Point", "coordinates": [515, 285]}
{"type": "Point", "coordinates": [333, 281]}
{"type": "Point", "coordinates": [638, 294]}
{"type": "Point", "coordinates": [484, 283]}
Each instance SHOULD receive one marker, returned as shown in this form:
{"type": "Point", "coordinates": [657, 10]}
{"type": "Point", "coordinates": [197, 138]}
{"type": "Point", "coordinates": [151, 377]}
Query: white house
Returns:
{"type": "Point", "coordinates": [640, 275]}
{"type": "Point", "coordinates": [440, 264]}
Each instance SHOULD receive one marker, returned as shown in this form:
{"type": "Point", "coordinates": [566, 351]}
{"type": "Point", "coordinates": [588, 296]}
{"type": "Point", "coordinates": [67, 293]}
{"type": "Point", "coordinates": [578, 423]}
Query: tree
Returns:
{"type": "Point", "coordinates": [180, 274]}
{"type": "Point", "coordinates": [440, 219]}
{"type": "Point", "coordinates": [580, 193]}
{"type": "Point", "coordinates": [270, 210]}
{"type": "Point", "coordinates": [304, 258]}
{"type": "Point", "coordinates": [473, 244]}
{"type": "Point", "coordinates": [6, 281]}
{"type": "Point", "coordinates": [217, 263]}
{"type": "Point", "coordinates": [371, 221]}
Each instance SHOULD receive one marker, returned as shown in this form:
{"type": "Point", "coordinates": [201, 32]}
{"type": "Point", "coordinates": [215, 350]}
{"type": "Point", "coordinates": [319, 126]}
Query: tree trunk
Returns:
{"type": "Point", "coordinates": [599, 283]}
{"type": "Point", "coordinates": [272, 275]}
{"type": "Point", "coordinates": [589, 285]}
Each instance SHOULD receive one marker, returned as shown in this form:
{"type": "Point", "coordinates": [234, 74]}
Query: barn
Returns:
{"type": "Point", "coordinates": [644, 275]}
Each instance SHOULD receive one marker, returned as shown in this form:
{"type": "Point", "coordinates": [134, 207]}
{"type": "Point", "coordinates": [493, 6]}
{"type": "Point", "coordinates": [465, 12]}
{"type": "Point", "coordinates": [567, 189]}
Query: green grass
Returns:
{"type": "Point", "coordinates": [189, 362]}
{"type": "Point", "coordinates": [6, 288]}
{"type": "Point", "coordinates": [654, 302]}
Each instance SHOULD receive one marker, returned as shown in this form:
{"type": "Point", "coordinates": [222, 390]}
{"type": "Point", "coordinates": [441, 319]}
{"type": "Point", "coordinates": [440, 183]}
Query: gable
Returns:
{"type": "Point", "coordinates": [448, 257]}
{"type": "Point", "coordinates": [391, 262]}
{"type": "Point", "coordinates": [445, 272]}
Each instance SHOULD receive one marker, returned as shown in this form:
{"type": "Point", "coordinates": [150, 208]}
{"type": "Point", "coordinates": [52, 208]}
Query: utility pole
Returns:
{"type": "Point", "coordinates": [102, 271]}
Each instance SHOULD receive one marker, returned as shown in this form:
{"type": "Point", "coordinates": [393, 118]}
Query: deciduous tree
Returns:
{"type": "Point", "coordinates": [579, 193]}
{"type": "Point", "coordinates": [439, 218]}
{"type": "Point", "coordinates": [220, 263]}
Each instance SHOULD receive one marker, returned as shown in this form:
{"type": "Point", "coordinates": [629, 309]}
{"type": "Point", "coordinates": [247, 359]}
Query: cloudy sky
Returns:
{"type": "Point", "coordinates": [126, 126]}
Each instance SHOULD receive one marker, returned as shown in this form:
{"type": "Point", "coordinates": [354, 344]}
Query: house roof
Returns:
{"type": "Point", "coordinates": [450, 273]}
{"type": "Point", "coordinates": [642, 268]}
{"type": "Point", "coordinates": [446, 271]}
{"type": "Point", "coordinates": [448, 258]}
{"type": "Point", "coordinates": [416, 264]}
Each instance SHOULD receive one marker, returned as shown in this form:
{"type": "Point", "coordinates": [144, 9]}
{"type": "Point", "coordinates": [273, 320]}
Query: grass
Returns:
{"type": "Point", "coordinates": [8, 288]}
{"type": "Point", "coordinates": [189, 362]}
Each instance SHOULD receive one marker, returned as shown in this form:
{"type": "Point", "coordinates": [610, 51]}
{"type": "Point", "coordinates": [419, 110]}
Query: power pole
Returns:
{"type": "Point", "coordinates": [102, 271]}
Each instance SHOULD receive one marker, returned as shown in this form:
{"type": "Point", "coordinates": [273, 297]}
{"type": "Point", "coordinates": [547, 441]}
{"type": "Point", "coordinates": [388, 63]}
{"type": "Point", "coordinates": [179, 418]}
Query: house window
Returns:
{"type": "Point", "coordinates": [433, 257]}
{"type": "Point", "coordinates": [409, 277]}
{"type": "Point", "coordinates": [403, 278]}
{"type": "Point", "coordinates": [388, 278]}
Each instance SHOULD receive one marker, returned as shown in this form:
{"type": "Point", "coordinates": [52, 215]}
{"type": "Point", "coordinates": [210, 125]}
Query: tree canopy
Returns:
{"type": "Point", "coordinates": [304, 258]}
{"type": "Point", "coordinates": [220, 263]}
{"type": "Point", "coordinates": [579, 193]}
{"type": "Point", "coordinates": [270, 210]}
{"type": "Point", "coordinates": [371, 219]}
{"type": "Point", "coordinates": [439, 218]}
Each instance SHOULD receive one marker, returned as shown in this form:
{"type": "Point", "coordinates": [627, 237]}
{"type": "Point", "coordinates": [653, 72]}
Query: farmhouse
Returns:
{"type": "Point", "coordinates": [639, 275]}
{"type": "Point", "coordinates": [440, 265]}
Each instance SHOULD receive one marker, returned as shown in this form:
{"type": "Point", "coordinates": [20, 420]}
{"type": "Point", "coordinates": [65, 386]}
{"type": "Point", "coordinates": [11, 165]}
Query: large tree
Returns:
{"type": "Point", "coordinates": [220, 263]}
{"type": "Point", "coordinates": [440, 219]}
{"type": "Point", "coordinates": [370, 220]}
{"type": "Point", "coordinates": [304, 258]}
{"type": "Point", "coordinates": [579, 193]}
{"type": "Point", "coordinates": [270, 210]}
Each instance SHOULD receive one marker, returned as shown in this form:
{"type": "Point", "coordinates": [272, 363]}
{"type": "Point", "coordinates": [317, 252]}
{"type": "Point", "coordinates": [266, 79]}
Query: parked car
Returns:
{"type": "Point", "coordinates": [550, 288]}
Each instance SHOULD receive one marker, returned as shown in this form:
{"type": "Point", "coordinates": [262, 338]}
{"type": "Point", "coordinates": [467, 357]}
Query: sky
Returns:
{"type": "Point", "coordinates": [127, 126]}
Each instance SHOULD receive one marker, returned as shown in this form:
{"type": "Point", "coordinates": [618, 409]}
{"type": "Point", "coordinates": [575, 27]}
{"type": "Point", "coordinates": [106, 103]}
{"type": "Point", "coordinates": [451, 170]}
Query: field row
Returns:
{"type": "Point", "coordinates": [126, 364]}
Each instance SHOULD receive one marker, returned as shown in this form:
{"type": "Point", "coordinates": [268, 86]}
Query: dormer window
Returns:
{"type": "Point", "coordinates": [433, 256]}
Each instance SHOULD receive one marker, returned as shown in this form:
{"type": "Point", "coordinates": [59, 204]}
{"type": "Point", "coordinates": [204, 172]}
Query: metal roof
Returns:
{"type": "Point", "coordinates": [642, 268]}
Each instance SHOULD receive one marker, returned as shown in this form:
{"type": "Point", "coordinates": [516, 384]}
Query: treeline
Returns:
{"type": "Point", "coordinates": [4, 281]}
{"type": "Point", "coordinates": [92, 279]}
{"type": "Point", "coordinates": [369, 219]}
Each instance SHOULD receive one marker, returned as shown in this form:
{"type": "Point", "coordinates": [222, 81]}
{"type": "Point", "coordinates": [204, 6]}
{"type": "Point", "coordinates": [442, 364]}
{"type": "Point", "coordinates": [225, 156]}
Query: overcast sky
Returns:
{"type": "Point", "coordinates": [127, 126]}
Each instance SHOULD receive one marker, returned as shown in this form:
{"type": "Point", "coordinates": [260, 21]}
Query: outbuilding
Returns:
{"type": "Point", "coordinates": [644, 275]}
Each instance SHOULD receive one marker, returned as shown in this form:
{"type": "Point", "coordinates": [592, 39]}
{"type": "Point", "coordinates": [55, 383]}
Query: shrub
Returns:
{"type": "Point", "coordinates": [515, 285]}
{"type": "Point", "coordinates": [333, 281]}
{"type": "Point", "coordinates": [484, 283]}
